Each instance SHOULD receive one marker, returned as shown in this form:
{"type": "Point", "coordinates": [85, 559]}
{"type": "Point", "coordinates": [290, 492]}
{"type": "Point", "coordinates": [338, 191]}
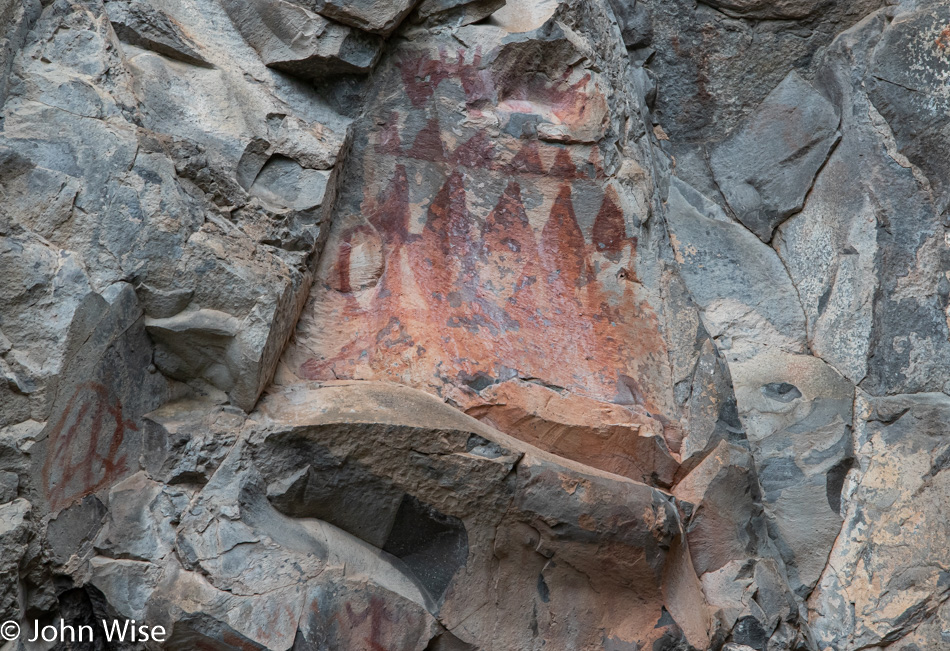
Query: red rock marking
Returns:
{"type": "Point", "coordinates": [610, 230]}
{"type": "Point", "coordinates": [379, 618]}
{"type": "Point", "coordinates": [83, 446]}
{"type": "Point", "coordinates": [428, 143]}
{"type": "Point", "coordinates": [943, 40]}
{"type": "Point", "coordinates": [477, 284]}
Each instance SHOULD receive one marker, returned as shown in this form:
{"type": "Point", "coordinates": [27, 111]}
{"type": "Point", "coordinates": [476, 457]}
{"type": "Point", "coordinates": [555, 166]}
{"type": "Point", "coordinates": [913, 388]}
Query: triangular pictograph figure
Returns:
{"type": "Point", "coordinates": [563, 166]}
{"type": "Point", "coordinates": [478, 152]}
{"type": "Point", "coordinates": [528, 160]}
{"type": "Point", "coordinates": [428, 143]}
{"type": "Point", "coordinates": [610, 229]}
{"type": "Point", "coordinates": [563, 249]}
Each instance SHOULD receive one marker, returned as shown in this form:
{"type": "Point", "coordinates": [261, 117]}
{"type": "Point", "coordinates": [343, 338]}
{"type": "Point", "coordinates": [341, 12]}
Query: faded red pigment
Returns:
{"type": "Point", "coordinates": [465, 256]}
{"type": "Point", "coordinates": [85, 446]}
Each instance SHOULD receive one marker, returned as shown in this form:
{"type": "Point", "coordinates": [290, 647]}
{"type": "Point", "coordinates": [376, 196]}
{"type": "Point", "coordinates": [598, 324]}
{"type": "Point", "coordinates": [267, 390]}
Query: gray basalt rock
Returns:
{"type": "Point", "coordinates": [798, 415]}
{"type": "Point", "coordinates": [895, 594]}
{"type": "Point", "coordinates": [15, 534]}
{"type": "Point", "coordinates": [457, 12]}
{"type": "Point", "coordinates": [9, 486]}
{"type": "Point", "coordinates": [747, 298]}
{"type": "Point", "coordinates": [767, 166]}
{"type": "Point", "coordinates": [907, 80]}
{"type": "Point", "coordinates": [16, 20]}
{"type": "Point", "coordinates": [476, 324]}
{"type": "Point", "coordinates": [290, 37]}
{"type": "Point", "coordinates": [140, 24]}
{"type": "Point", "coordinates": [715, 65]}
{"type": "Point", "coordinates": [374, 16]}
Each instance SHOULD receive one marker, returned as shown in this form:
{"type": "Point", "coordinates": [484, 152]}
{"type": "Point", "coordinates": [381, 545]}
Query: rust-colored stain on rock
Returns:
{"type": "Point", "coordinates": [943, 39]}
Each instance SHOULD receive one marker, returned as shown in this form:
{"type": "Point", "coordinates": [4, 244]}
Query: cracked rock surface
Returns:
{"type": "Point", "coordinates": [445, 325]}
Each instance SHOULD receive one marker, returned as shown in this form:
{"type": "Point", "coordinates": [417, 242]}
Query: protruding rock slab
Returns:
{"type": "Point", "coordinates": [457, 12]}
{"type": "Point", "coordinates": [320, 445]}
{"type": "Point", "coordinates": [139, 23]}
{"type": "Point", "coordinates": [767, 166]}
{"type": "Point", "coordinates": [289, 37]}
{"type": "Point", "coordinates": [374, 16]}
{"type": "Point", "coordinates": [598, 434]}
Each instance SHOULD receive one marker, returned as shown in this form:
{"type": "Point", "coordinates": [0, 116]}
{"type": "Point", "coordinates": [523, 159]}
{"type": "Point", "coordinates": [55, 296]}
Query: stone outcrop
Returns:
{"type": "Point", "coordinates": [476, 324]}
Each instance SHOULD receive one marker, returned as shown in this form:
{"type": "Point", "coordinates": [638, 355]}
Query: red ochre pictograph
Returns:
{"type": "Point", "coordinates": [435, 281]}
{"type": "Point", "coordinates": [85, 446]}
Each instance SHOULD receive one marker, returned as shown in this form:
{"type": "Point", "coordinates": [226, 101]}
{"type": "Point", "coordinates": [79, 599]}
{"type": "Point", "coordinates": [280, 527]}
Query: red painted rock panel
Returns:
{"type": "Point", "coordinates": [471, 251]}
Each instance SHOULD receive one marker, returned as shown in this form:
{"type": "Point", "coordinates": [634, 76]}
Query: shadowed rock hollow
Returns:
{"type": "Point", "coordinates": [474, 324]}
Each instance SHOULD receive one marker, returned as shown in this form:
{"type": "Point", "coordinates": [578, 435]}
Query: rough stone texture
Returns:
{"type": "Point", "coordinates": [768, 165]}
{"type": "Point", "coordinates": [374, 16]}
{"type": "Point", "coordinates": [797, 412]}
{"type": "Point", "coordinates": [907, 81]}
{"type": "Point", "coordinates": [749, 302]}
{"type": "Point", "coordinates": [471, 324]}
{"type": "Point", "coordinates": [895, 594]}
{"type": "Point", "coordinates": [609, 437]}
{"type": "Point", "coordinates": [289, 37]}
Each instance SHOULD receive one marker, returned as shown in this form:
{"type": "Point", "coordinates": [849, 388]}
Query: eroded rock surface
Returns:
{"type": "Point", "coordinates": [474, 324]}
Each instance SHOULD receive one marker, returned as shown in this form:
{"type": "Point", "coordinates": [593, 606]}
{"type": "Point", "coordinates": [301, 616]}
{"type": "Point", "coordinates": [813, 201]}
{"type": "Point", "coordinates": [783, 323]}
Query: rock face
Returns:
{"type": "Point", "coordinates": [474, 324]}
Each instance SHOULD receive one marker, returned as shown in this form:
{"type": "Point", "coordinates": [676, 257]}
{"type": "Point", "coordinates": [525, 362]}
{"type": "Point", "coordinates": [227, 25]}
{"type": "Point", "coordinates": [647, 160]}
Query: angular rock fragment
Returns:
{"type": "Point", "coordinates": [767, 166]}
{"type": "Point", "coordinates": [520, 16]}
{"type": "Point", "coordinates": [186, 440]}
{"type": "Point", "coordinates": [291, 38]}
{"type": "Point", "coordinates": [234, 350]}
{"type": "Point", "coordinates": [283, 184]}
{"type": "Point", "coordinates": [193, 344]}
{"type": "Point", "coordinates": [313, 146]}
{"type": "Point", "coordinates": [741, 284]}
{"type": "Point", "coordinates": [457, 12]}
{"type": "Point", "coordinates": [140, 523]}
{"type": "Point", "coordinates": [140, 24]}
{"type": "Point", "coordinates": [717, 492]}
{"type": "Point", "coordinates": [374, 16]}
{"type": "Point", "coordinates": [600, 435]}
